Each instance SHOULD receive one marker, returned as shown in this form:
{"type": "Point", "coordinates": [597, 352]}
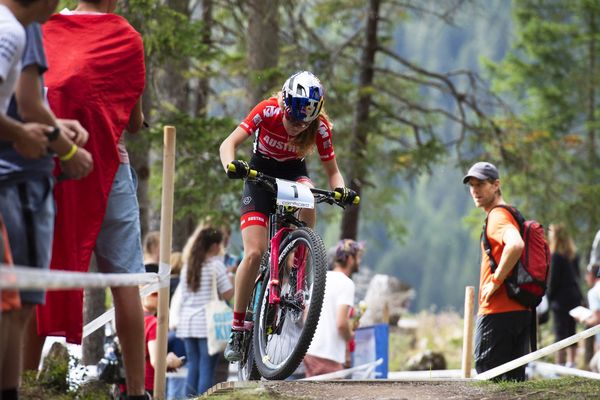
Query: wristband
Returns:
{"type": "Point", "coordinates": [70, 154]}
{"type": "Point", "coordinates": [496, 281]}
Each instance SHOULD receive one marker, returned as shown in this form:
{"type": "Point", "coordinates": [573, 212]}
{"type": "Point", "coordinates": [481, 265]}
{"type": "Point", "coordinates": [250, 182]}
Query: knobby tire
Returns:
{"type": "Point", "coordinates": [318, 259]}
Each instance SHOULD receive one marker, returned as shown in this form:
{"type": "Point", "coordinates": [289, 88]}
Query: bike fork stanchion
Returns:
{"type": "Point", "coordinates": [274, 267]}
{"type": "Point", "coordinates": [300, 265]}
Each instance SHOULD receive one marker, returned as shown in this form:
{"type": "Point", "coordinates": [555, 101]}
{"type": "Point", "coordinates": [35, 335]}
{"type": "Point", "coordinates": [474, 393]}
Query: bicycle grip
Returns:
{"type": "Point", "coordinates": [252, 173]}
{"type": "Point", "coordinates": [356, 200]}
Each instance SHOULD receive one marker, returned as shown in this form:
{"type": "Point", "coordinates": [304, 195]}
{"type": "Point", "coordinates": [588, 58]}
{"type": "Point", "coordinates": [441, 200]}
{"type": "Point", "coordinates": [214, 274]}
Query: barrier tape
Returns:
{"type": "Point", "coordinates": [18, 277]}
{"type": "Point", "coordinates": [109, 315]}
{"type": "Point", "coordinates": [164, 274]}
{"type": "Point", "coordinates": [368, 368]}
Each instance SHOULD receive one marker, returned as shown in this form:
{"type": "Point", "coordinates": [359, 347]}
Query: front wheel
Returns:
{"type": "Point", "coordinates": [283, 332]}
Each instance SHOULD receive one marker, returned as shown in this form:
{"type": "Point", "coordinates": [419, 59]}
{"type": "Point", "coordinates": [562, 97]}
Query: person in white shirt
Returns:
{"type": "Point", "coordinates": [593, 281]}
{"type": "Point", "coordinates": [203, 262]}
{"type": "Point", "coordinates": [327, 352]}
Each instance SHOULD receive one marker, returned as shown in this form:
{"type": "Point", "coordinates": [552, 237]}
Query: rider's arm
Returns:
{"type": "Point", "coordinates": [136, 119]}
{"type": "Point", "coordinates": [343, 323]}
{"type": "Point", "coordinates": [230, 144]}
{"type": "Point", "coordinates": [333, 174]}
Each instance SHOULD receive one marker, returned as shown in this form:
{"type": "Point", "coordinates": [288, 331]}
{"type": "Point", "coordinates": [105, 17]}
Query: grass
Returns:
{"type": "Point", "coordinates": [567, 388]}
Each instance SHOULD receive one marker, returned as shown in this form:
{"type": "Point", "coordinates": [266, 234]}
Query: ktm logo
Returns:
{"type": "Point", "coordinates": [271, 111]}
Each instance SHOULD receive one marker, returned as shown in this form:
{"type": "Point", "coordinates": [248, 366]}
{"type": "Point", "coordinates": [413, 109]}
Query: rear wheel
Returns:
{"type": "Point", "coordinates": [283, 332]}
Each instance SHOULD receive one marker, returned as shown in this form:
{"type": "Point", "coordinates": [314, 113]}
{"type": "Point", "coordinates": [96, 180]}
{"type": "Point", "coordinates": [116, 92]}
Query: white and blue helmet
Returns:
{"type": "Point", "coordinates": [302, 97]}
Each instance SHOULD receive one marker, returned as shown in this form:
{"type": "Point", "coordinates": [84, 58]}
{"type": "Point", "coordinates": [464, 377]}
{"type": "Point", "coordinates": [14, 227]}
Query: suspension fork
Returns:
{"type": "Point", "coordinates": [276, 239]}
{"type": "Point", "coordinates": [300, 265]}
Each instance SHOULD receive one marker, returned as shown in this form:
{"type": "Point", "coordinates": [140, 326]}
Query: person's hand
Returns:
{"type": "Point", "coordinates": [240, 169]}
{"type": "Point", "coordinates": [347, 195]}
{"type": "Point", "coordinates": [173, 362]}
{"type": "Point", "coordinates": [79, 166]}
{"type": "Point", "coordinates": [74, 131]}
{"type": "Point", "coordinates": [488, 290]}
{"type": "Point", "coordinates": [33, 142]}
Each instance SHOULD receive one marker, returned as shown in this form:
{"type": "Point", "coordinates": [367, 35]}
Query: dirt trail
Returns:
{"type": "Point", "coordinates": [386, 390]}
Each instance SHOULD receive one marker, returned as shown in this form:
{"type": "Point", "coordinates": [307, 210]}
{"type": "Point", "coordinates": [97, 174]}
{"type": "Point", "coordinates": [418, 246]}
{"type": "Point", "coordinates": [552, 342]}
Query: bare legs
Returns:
{"type": "Point", "coordinates": [12, 328]}
{"type": "Point", "coordinates": [129, 318]}
{"type": "Point", "coordinates": [255, 244]}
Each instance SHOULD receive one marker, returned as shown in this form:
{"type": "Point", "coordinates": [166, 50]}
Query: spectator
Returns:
{"type": "Point", "coordinates": [563, 289]}
{"type": "Point", "coordinates": [29, 141]}
{"type": "Point", "coordinates": [176, 266]}
{"type": "Point", "coordinates": [175, 384]}
{"type": "Point", "coordinates": [100, 212]}
{"type": "Point", "coordinates": [595, 253]}
{"type": "Point", "coordinates": [593, 281]}
{"type": "Point", "coordinates": [327, 352]}
{"type": "Point", "coordinates": [150, 305]}
{"type": "Point", "coordinates": [231, 262]}
{"type": "Point", "coordinates": [35, 176]}
{"type": "Point", "coordinates": [503, 325]}
{"type": "Point", "coordinates": [151, 246]}
{"type": "Point", "coordinates": [205, 260]}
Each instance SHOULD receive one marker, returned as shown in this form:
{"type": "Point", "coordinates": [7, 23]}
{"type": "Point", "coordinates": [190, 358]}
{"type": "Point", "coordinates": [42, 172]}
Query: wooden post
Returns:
{"type": "Point", "coordinates": [166, 232]}
{"type": "Point", "coordinates": [467, 353]}
{"type": "Point", "coordinates": [386, 313]}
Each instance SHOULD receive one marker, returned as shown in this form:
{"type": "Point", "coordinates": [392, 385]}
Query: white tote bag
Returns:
{"type": "Point", "coordinates": [218, 321]}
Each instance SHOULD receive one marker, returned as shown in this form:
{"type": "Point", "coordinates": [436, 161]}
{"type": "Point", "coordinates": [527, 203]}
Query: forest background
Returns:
{"type": "Point", "coordinates": [417, 90]}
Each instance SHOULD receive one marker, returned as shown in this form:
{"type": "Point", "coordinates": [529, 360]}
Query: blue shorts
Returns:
{"type": "Point", "coordinates": [119, 244]}
{"type": "Point", "coordinates": [27, 208]}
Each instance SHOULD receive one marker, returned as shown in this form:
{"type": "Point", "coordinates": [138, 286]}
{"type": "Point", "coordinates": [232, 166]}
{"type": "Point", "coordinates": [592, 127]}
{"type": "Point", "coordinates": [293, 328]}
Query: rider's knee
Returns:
{"type": "Point", "coordinates": [253, 256]}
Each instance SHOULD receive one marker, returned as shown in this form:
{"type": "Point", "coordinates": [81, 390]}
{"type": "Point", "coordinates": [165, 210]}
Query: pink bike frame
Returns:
{"type": "Point", "coordinates": [274, 267]}
{"type": "Point", "coordinates": [299, 262]}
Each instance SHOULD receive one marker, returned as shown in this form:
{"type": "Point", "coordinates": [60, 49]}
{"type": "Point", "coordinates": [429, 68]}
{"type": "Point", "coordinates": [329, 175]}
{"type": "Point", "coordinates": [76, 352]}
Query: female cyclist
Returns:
{"type": "Point", "coordinates": [286, 128]}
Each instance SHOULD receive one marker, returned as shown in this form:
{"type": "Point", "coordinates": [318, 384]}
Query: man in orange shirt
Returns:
{"type": "Point", "coordinates": [503, 325]}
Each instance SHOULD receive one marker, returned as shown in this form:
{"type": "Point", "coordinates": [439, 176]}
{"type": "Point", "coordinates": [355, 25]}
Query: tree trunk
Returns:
{"type": "Point", "coordinates": [93, 306]}
{"type": "Point", "coordinates": [203, 90]}
{"type": "Point", "coordinates": [357, 170]}
{"type": "Point", "coordinates": [174, 85]}
{"type": "Point", "coordinates": [262, 48]}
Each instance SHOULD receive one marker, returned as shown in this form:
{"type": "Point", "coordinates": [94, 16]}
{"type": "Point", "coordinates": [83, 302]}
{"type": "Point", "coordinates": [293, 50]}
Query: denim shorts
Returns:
{"type": "Point", "coordinates": [28, 210]}
{"type": "Point", "coordinates": [119, 244]}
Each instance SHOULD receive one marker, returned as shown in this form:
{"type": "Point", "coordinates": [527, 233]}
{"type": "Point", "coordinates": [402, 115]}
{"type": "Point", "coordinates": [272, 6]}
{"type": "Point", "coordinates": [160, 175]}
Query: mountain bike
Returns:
{"type": "Point", "coordinates": [288, 292]}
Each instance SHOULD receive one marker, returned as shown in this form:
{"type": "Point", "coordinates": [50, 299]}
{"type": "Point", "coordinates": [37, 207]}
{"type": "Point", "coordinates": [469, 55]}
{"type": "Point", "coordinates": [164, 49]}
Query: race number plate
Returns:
{"type": "Point", "coordinates": [294, 194]}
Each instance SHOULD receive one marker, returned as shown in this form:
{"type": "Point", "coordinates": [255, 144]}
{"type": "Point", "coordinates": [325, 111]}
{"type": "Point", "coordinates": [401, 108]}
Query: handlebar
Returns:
{"type": "Point", "coordinates": [268, 182]}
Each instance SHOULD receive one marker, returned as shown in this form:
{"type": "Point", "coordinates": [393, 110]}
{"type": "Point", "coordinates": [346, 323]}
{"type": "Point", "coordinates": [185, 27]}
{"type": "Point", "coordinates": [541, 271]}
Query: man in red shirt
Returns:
{"type": "Point", "coordinates": [503, 325]}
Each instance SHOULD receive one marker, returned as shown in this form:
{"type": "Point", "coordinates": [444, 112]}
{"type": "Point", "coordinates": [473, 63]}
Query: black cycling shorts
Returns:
{"type": "Point", "coordinates": [258, 203]}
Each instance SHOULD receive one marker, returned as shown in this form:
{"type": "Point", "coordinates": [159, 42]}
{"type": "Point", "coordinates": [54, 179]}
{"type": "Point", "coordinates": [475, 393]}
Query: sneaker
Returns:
{"type": "Point", "coordinates": [233, 351]}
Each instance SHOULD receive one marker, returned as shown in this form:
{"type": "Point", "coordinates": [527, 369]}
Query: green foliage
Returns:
{"type": "Point", "coordinates": [168, 35]}
{"type": "Point", "coordinates": [198, 168]}
{"type": "Point", "coordinates": [549, 149]}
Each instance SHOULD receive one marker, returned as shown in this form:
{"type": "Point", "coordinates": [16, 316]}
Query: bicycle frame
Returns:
{"type": "Point", "coordinates": [278, 229]}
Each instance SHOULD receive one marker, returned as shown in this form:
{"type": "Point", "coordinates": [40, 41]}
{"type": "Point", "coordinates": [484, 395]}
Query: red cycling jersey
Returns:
{"type": "Point", "coordinates": [265, 121]}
